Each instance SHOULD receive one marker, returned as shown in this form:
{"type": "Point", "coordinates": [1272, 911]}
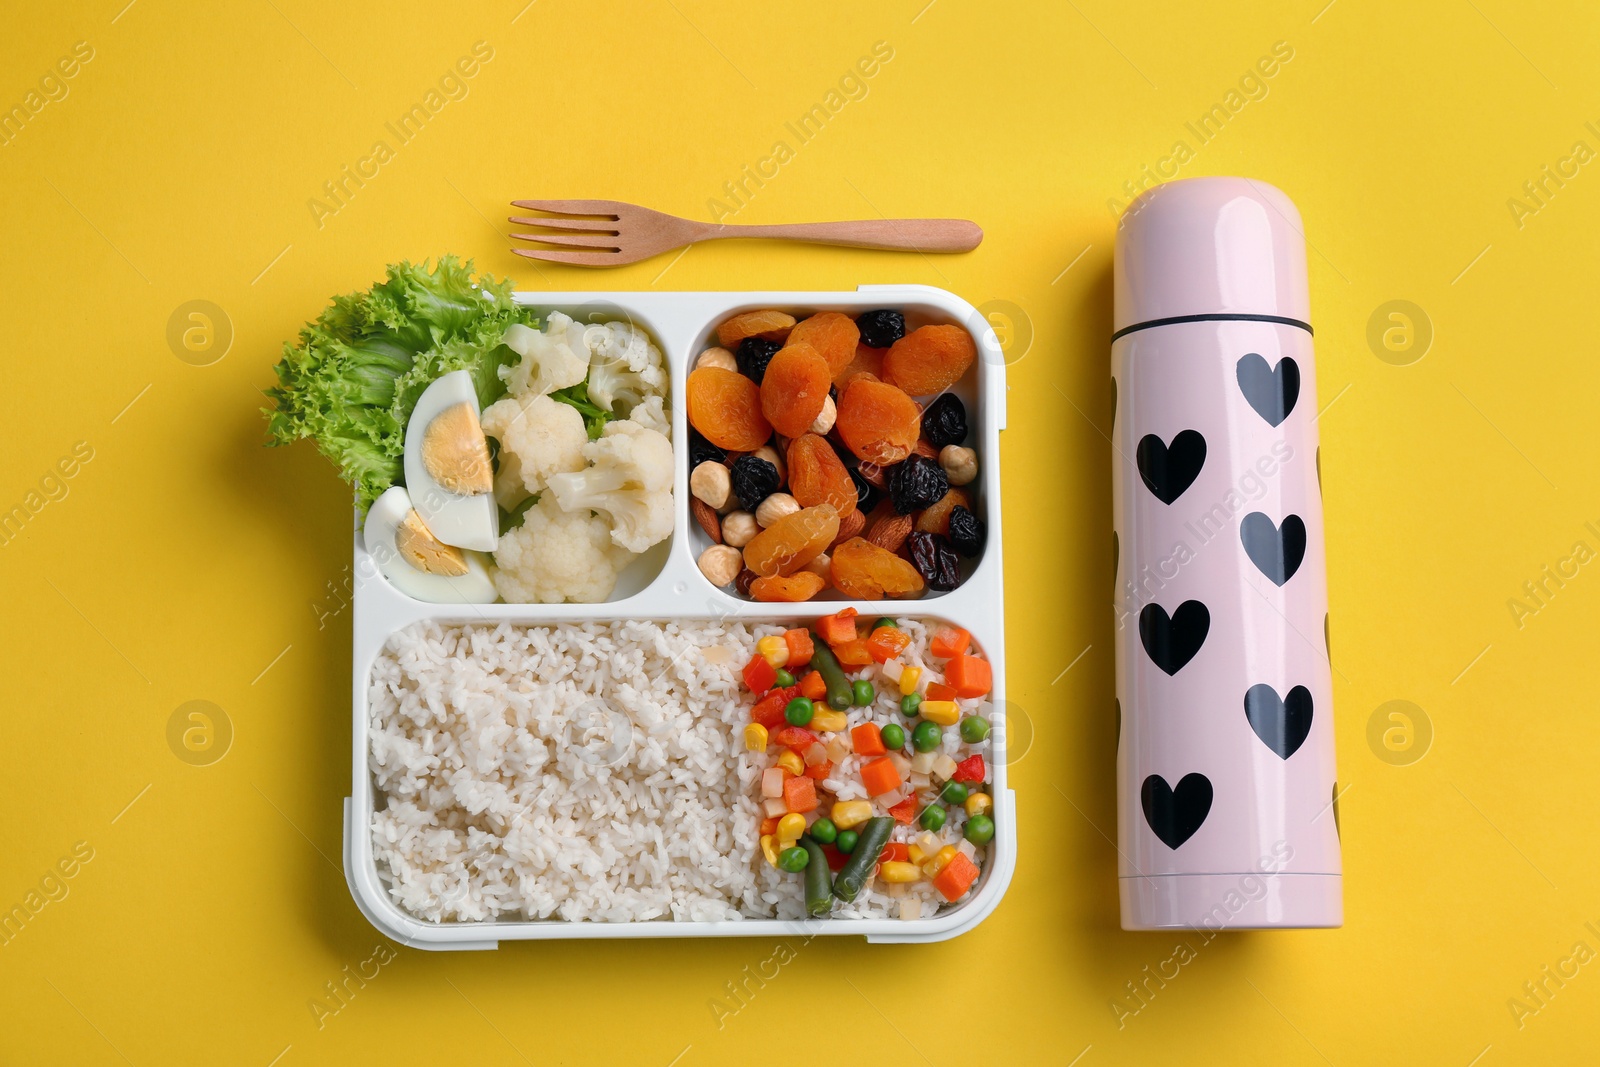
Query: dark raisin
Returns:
{"type": "Point", "coordinates": [742, 583]}
{"type": "Point", "coordinates": [944, 422]}
{"type": "Point", "coordinates": [753, 481]}
{"type": "Point", "coordinates": [935, 560]}
{"type": "Point", "coordinates": [917, 483]}
{"type": "Point", "coordinates": [701, 450]}
{"type": "Point", "coordinates": [966, 531]}
{"type": "Point", "coordinates": [833, 393]}
{"type": "Point", "coordinates": [880, 329]}
{"type": "Point", "coordinates": [753, 356]}
{"type": "Point", "coordinates": [866, 493]}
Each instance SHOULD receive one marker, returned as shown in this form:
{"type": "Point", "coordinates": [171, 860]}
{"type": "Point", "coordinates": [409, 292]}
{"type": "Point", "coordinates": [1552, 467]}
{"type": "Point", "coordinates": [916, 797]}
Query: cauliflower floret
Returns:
{"type": "Point", "coordinates": [624, 367]}
{"type": "Point", "coordinates": [538, 437]}
{"type": "Point", "coordinates": [557, 556]}
{"type": "Point", "coordinates": [552, 358]}
{"type": "Point", "coordinates": [630, 480]}
{"type": "Point", "coordinates": [652, 415]}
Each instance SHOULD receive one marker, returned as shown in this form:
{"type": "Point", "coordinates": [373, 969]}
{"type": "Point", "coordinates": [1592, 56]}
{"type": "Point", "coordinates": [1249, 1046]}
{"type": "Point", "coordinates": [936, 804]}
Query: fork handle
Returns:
{"type": "Point", "coordinates": [917, 235]}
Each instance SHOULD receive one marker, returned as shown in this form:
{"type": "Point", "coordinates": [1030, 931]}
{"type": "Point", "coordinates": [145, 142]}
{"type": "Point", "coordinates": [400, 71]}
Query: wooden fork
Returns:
{"type": "Point", "coordinates": [609, 233]}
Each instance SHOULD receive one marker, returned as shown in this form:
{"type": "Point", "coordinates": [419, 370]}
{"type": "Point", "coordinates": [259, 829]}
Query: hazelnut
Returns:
{"type": "Point", "coordinates": [711, 483]}
{"type": "Point", "coordinates": [774, 508]}
{"type": "Point", "coordinates": [821, 565]}
{"type": "Point", "coordinates": [738, 527]}
{"type": "Point", "coordinates": [825, 421]}
{"type": "Point", "coordinates": [721, 564]}
{"type": "Point", "coordinates": [717, 357]}
{"type": "Point", "coordinates": [770, 454]}
{"type": "Point", "coordinates": [960, 464]}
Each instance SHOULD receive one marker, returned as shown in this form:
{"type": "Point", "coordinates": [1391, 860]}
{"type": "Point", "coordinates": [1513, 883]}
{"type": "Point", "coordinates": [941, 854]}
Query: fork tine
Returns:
{"type": "Point", "coordinates": [604, 242]}
{"type": "Point", "coordinates": [577, 259]}
{"type": "Point", "coordinates": [557, 223]}
{"type": "Point", "coordinates": [573, 207]}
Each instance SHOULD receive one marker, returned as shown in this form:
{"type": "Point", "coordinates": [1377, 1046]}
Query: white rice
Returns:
{"type": "Point", "coordinates": [590, 771]}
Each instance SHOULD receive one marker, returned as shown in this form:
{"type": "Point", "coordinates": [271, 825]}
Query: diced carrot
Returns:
{"type": "Point", "coordinates": [852, 653]}
{"type": "Point", "coordinates": [838, 628]}
{"type": "Point", "coordinates": [867, 740]}
{"type": "Point", "coordinates": [940, 691]}
{"type": "Point", "coordinates": [886, 643]}
{"type": "Point", "coordinates": [956, 878]}
{"type": "Point", "coordinates": [813, 686]}
{"type": "Point", "coordinates": [820, 771]}
{"type": "Point", "coordinates": [880, 777]}
{"type": "Point", "coordinates": [800, 648]}
{"type": "Point", "coordinates": [949, 642]}
{"type": "Point", "coordinates": [906, 811]}
{"type": "Point", "coordinates": [895, 852]}
{"type": "Point", "coordinates": [759, 674]}
{"type": "Point", "coordinates": [800, 794]}
{"type": "Point", "coordinates": [970, 675]}
{"type": "Point", "coordinates": [769, 825]}
{"type": "Point", "coordinates": [768, 711]}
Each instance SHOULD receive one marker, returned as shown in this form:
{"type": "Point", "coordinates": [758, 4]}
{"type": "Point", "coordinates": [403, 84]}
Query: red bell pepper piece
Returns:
{"type": "Point", "coordinates": [820, 771]}
{"type": "Point", "coordinates": [768, 711]}
{"type": "Point", "coordinates": [795, 737]}
{"type": "Point", "coordinates": [970, 769]}
{"type": "Point", "coordinates": [905, 811]}
{"type": "Point", "coordinates": [759, 674]}
{"type": "Point", "coordinates": [836, 859]}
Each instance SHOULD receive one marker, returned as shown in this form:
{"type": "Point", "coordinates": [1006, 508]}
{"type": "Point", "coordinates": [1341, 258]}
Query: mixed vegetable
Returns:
{"type": "Point", "coordinates": [843, 801]}
{"type": "Point", "coordinates": [814, 466]}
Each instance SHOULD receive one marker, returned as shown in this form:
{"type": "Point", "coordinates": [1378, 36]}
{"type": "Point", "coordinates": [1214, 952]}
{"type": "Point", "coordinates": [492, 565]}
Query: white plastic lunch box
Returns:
{"type": "Point", "coordinates": [666, 584]}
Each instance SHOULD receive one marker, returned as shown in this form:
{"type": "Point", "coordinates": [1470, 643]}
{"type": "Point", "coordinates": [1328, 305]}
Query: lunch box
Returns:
{"type": "Point", "coordinates": [666, 584]}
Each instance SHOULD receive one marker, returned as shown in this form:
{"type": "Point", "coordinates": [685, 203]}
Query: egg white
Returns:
{"type": "Point", "coordinates": [383, 520]}
{"type": "Point", "coordinates": [464, 521]}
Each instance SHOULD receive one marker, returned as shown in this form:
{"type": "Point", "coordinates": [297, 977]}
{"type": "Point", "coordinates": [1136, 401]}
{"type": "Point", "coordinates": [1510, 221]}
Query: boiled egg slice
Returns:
{"type": "Point", "coordinates": [448, 473]}
{"type": "Point", "coordinates": [419, 564]}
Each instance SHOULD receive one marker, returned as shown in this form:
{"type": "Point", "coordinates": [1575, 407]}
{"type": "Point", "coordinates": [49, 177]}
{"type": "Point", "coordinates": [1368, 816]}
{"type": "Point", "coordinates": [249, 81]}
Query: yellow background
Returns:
{"type": "Point", "coordinates": [187, 562]}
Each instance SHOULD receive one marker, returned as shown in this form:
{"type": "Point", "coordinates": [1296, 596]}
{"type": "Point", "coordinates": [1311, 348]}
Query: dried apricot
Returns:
{"type": "Point", "coordinates": [864, 571]}
{"type": "Point", "coordinates": [817, 476]}
{"type": "Point", "coordinates": [936, 519]}
{"type": "Point", "coordinates": [929, 359]}
{"type": "Point", "coordinates": [877, 421]}
{"type": "Point", "coordinates": [794, 389]}
{"type": "Point", "coordinates": [833, 335]}
{"type": "Point", "coordinates": [866, 360]}
{"type": "Point", "coordinates": [791, 589]}
{"type": "Point", "coordinates": [768, 325]}
{"type": "Point", "coordinates": [792, 541]}
{"type": "Point", "coordinates": [725, 407]}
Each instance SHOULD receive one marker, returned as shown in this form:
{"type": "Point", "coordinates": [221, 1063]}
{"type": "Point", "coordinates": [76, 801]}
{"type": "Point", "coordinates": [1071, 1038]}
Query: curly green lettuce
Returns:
{"type": "Point", "coordinates": [353, 378]}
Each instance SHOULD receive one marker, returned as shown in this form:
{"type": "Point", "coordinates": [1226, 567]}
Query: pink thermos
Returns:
{"type": "Point", "coordinates": [1226, 813]}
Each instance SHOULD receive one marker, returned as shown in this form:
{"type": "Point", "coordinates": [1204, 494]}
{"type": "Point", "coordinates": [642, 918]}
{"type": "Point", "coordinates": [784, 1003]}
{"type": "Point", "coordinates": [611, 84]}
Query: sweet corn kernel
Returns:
{"type": "Point", "coordinates": [898, 871]}
{"type": "Point", "coordinates": [827, 722]}
{"type": "Point", "coordinates": [916, 854]}
{"type": "Point", "coordinates": [978, 803]}
{"type": "Point", "coordinates": [848, 814]}
{"type": "Point", "coordinates": [769, 849]}
{"type": "Point", "coordinates": [790, 827]}
{"type": "Point", "coordinates": [755, 738]}
{"type": "Point", "coordinates": [943, 712]}
{"type": "Point", "coordinates": [908, 680]}
{"type": "Point", "coordinates": [774, 650]}
{"type": "Point", "coordinates": [790, 761]}
{"type": "Point", "coordinates": [940, 858]}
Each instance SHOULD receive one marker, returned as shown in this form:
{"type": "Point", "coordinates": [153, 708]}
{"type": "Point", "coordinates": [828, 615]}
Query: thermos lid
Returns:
{"type": "Point", "coordinates": [1206, 248]}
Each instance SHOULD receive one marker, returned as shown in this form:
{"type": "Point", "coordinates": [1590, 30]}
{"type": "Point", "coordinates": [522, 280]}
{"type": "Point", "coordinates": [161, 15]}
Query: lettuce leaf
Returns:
{"type": "Point", "coordinates": [353, 378]}
{"type": "Point", "coordinates": [595, 417]}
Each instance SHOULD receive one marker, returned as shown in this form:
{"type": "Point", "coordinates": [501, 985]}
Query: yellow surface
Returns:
{"type": "Point", "coordinates": [185, 562]}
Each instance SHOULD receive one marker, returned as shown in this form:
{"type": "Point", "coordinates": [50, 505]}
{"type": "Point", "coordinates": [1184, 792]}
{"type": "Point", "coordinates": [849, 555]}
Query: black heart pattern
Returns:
{"type": "Point", "coordinates": [1277, 551]}
{"type": "Point", "coordinates": [1172, 642]}
{"type": "Point", "coordinates": [1175, 814]}
{"type": "Point", "coordinates": [1282, 723]}
{"type": "Point", "coordinates": [1169, 470]}
{"type": "Point", "coordinates": [1272, 391]}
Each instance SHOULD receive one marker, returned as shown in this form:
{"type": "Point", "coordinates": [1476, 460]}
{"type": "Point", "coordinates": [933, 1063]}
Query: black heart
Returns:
{"type": "Point", "coordinates": [1282, 724]}
{"type": "Point", "coordinates": [1271, 391]}
{"type": "Point", "coordinates": [1277, 551]}
{"type": "Point", "coordinates": [1176, 815]}
{"type": "Point", "coordinates": [1172, 643]}
{"type": "Point", "coordinates": [1168, 471]}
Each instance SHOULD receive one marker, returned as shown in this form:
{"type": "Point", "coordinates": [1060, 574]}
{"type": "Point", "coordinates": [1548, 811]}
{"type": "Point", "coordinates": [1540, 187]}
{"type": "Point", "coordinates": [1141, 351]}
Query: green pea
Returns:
{"type": "Point", "coordinates": [933, 818]}
{"type": "Point", "coordinates": [862, 693]}
{"type": "Point", "coordinates": [847, 841]}
{"type": "Point", "coordinates": [974, 728]}
{"type": "Point", "coordinates": [793, 859]}
{"type": "Point", "coordinates": [894, 737]}
{"type": "Point", "coordinates": [909, 704]}
{"type": "Point", "coordinates": [798, 712]}
{"type": "Point", "coordinates": [885, 622]}
{"type": "Point", "coordinates": [979, 829]}
{"type": "Point", "coordinates": [927, 736]}
{"type": "Point", "coordinates": [824, 831]}
{"type": "Point", "coordinates": [784, 680]}
{"type": "Point", "coordinates": [953, 793]}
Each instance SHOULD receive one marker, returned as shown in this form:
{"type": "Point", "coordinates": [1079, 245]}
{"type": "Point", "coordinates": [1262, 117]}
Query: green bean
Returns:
{"type": "Point", "coordinates": [839, 692]}
{"type": "Point", "coordinates": [858, 868]}
{"type": "Point", "coordinates": [819, 888]}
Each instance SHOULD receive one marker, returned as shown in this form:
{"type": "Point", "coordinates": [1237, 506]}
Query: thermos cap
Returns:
{"type": "Point", "coordinates": [1210, 247]}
